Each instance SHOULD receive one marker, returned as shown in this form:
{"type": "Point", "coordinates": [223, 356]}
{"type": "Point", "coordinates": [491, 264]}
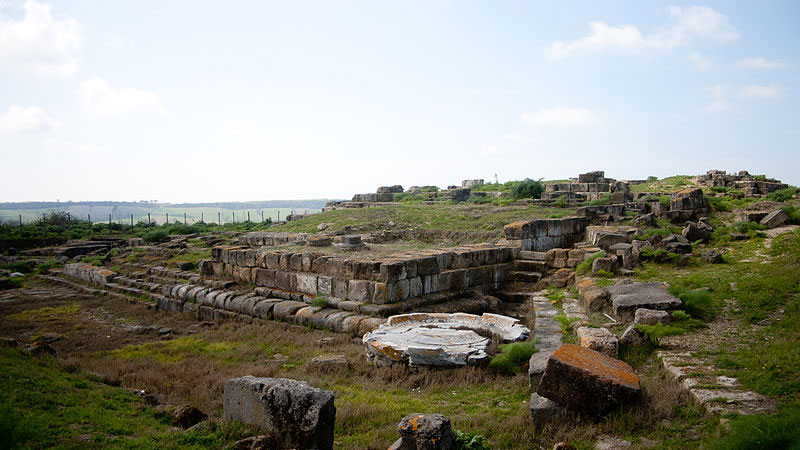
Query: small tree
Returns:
{"type": "Point", "coordinates": [527, 188]}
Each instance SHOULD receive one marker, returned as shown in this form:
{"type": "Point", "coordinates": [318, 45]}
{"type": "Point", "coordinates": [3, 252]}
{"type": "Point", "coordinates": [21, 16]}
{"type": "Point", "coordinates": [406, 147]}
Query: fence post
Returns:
{"type": "Point", "coordinates": [184, 218]}
{"type": "Point", "coordinates": [279, 215]}
{"type": "Point", "coordinates": [69, 220]}
{"type": "Point", "coordinates": [20, 221]}
{"type": "Point", "coordinates": [131, 219]}
{"type": "Point", "coordinates": [148, 219]}
{"type": "Point", "coordinates": [109, 223]}
{"type": "Point", "coordinates": [201, 216]}
{"type": "Point", "coordinates": [262, 216]}
{"type": "Point", "coordinates": [219, 220]}
{"type": "Point", "coordinates": [248, 216]}
{"type": "Point", "coordinates": [90, 219]}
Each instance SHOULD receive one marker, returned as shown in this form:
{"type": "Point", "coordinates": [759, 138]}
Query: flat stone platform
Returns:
{"type": "Point", "coordinates": [437, 339]}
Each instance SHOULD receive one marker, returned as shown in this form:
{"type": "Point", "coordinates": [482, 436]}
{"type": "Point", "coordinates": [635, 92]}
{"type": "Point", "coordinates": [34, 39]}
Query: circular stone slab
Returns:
{"type": "Point", "coordinates": [438, 339]}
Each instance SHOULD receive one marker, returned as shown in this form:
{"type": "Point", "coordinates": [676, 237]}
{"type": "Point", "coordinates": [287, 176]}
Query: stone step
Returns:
{"type": "Point", "coordinates": [527, 277]}
{"type": "Point", "coordinates": [513, 296]}
{"type": "Point", "coordinates": [526, 265]}
{"type": "Point", "coordinates": [531, 256]}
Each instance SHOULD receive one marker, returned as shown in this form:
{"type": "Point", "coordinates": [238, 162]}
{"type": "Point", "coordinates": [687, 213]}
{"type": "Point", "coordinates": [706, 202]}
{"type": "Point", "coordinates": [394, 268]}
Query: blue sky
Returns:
{"type": "Point", "coordinates": [203, 101]}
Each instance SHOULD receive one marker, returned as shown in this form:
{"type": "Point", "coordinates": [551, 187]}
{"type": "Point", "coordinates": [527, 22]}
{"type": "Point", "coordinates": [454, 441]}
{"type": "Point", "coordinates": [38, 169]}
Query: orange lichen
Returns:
{"type": "Point", "coordinates": [607, 368]}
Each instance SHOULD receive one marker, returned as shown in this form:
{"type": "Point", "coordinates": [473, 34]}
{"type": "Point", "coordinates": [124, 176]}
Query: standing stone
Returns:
{"type": "Point", "coordinates": [296, 414]}
{"type": "Point", "coordinates": [424, 432]}
{"type": "Point", "coordinates": [585, 380]}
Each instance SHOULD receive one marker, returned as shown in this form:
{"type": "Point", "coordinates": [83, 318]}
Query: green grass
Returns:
{"type": "Point", "coordinates": [489, 219]}
{"type": "Point", "coordinates": [586, 265]}
{"type": "Point", "coordinates": [176, 350]}
{"type": "Point", "coordinates": [513, 356]}
{"type": "Point", "coordinates": [44, 406]}
{"type": "Point", "coordinates": [762, 432]}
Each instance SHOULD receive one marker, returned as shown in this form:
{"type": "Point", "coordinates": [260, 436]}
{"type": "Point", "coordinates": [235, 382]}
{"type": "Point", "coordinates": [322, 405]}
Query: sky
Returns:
{"type": "Point", "coordinates": [196, 101]}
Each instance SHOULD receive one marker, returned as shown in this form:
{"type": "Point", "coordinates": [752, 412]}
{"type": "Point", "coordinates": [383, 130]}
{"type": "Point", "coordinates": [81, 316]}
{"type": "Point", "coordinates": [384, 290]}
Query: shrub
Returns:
{"type": "Point", "coordinates": [512, 357]}
{"type": "Point", "coordinates": [156, 236]}
{"type": "Point", "coordinates": [757, 432]}
{"type": "Point", "coordinates": [586, 264]}
{"type": "Point", "coordinates": [783, 195]}
{"type": "Point", "coordinates": [19, 266]}
{"type": "Point", "coordinates": [604, 199]}
{"type": "Point", "coordinates": [11, 283]}
{"type": "Point", "coordinates": [319, 301]}
{"type": "Point", "coordinates": [794, 214]}
{"type": "Point", "coordinates": [527, 189]}
{"type": "Point", "coordinates": [14, 430]}
{"type": "Point", "coordinates": [555, 294]}
{"type": "Point", "coordinates": [470, 441]}
{"type": "Point", "coordinates": [565, 322]}
{"type": "Point", "coordinates": [658, 331]}
{"type": "Point", "coordinates": [696, 301]}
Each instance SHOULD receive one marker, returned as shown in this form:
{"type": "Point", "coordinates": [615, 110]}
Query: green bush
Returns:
{"type": "Point", "coordinates": [527, 189]}
{"type": "Point", "coordinates": [513, 356]}
{"type": "Point", "coordinates": [658, 331]}
{"type": "Point", "coordinates": [565, 322]}
{"type": "Point", "coordinates": [604, 199]}
{"type": "Point", "coordinates": [319, 301]}
{"type": "Point", "coordinates": [586, 264]}
{"type": "Point", "coordinates": [156, 236]}
{"type": "Point", "coordinates": [767, 432]}
{"type": "Point", "coordinates": [783, 195]}
{"type": "Point", "coordinates": [794, 214]}
{"type": "Point", "coordinates": [470, 441]}
{"type": "Point", "coordinates": [14, 429]}
{"type": "Point", "coordinates": [19, 266]}
{"type": "Point", "coordinates": [697, 302]}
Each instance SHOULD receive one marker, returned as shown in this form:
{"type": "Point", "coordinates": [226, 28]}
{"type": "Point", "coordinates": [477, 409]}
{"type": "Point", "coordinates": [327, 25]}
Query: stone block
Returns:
{"type": "Point", "coordinates": [585, 380]}
{"type": "Point", "coordinates": [600, 340]}
{"type": "Point", "coordinates": [424, 432]}
{"type": "Point", "coordinates": [307, 283]}
{"type": "Point", "coordinates": [325, 285]}
{"type": "Point", "coordinates": [265, 277]}
{"type": "Point", "coordinates": [294, 413]}
{"type": "Point", "coordinates": [339, 287]}
{"type": "Point", "coordinates": [627, 297]}
{"type": "Point", "coordinates": [644, 316]}
{"type": "Point", "coordinates": [774, 219]}
{"type": "Point", "coordinates": [360, 290]}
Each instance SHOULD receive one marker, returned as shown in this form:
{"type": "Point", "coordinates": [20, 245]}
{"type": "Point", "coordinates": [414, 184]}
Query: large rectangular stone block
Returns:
{"type": "Point", "coordinates": [307, 283]}
{"type": "Point", "coordinates": [292, 413]}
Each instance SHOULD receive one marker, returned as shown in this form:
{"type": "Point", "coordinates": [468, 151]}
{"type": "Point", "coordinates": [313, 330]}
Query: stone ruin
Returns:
{"type": "Point", "coordinates": [444, 340]}
{"type": "Point", "coordinates": [751, 185]}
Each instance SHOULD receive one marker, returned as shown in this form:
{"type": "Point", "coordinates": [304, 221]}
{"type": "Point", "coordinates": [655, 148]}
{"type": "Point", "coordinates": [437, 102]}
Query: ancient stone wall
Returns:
{"type": "Point", "coordinates": [541, 235]}
{"type": "Point", "coordinates": [386, 280]}
{"type": "Point", "coordinates": [751, 185]}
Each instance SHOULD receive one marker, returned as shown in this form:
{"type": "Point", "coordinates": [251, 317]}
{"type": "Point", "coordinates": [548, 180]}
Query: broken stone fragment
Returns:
{"type": "Point", "coordinates": [599, 339]}
{"type": "Point", "coordinates": [646, 316]}
{"type": "Point", "coordinates": [424, 432]}
{"type": "Point", "coordinates": [585, 380]}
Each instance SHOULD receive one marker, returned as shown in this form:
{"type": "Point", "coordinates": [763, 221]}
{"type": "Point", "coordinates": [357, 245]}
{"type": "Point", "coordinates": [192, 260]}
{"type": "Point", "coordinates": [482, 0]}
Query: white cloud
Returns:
{"type": "Point", "coordinates": [719, 103]}
{"type": "Point", "coordinates": [19, 120]}
{"type": "Point", "coordinates": [101, 99]}
{"type": "Point", "coordinates": [756, 91]}
{"type": "Point", "coordinates": [488, 150]}
{"type": "Point", "coordinates": [442, 108]}
{"type": "Point", "coordinates": [39, 44]}
{"type": "Point", "coordinates": [685, 25]}
{"type": "Point", "coordinates": [562, 116]}
{"type": "Point", "coordinates": [701, 62]}
{"type": "Point", "coordinates": [757, 63]}
{"type": "Point", "coordinates": [521, 139]}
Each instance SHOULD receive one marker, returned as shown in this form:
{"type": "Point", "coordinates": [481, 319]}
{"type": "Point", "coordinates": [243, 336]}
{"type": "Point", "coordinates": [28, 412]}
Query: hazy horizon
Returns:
{"type": "Point", "coordinates": [189, 102]}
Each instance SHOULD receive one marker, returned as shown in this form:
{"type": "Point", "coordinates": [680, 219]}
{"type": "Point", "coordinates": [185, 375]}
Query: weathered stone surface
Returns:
{"type": "Point", "coordinates": [439, 339]}
{"type": "Point", "coordinates": [328, 363]}
{"type": "Point", "coordinates": [424, 432]}
{"type": "Point", "coordinates": [605, 264]}
{"type": "Point", "coordinates": [774, 219]}
{"type": "Point", "coordinates": [295, 414]}
{"type": "Point", "coordinates": [600, 340]}
{"type": "Point", "coordinates": [627, 297]}
{"type": "Point", "coordinates": [633, 337]}
{"type": "Point", "coordinates": [594, 297]}
{"type": "Point", "coordinates": [184, 416]}
{"type": "Point", "coordinates": [645, 316]}
{"type": "Point", "coordinates": [712, 256]}
{"type": "Point", "coordinates": [610, 443]}
{"type": "Point", "coordinates": [545, 410]}
{"type": "Point", "coordinates": [583, 379]}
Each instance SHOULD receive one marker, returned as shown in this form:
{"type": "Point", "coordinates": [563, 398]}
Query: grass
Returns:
{"type": "Point", "coordinates": [45, 406]}
{"type": "Point", "coordinates": [513, 356]}
{"type": "Point", "coordinates": [586, 265]}
{"type": "Point", "coordinates": [182, 348]}
{"type": "Point", "coordinates": [46, 315]}
{"type": "Point", "coordinates": [761, 432]}
{"type": "Point", "coordinates": [485, 220]}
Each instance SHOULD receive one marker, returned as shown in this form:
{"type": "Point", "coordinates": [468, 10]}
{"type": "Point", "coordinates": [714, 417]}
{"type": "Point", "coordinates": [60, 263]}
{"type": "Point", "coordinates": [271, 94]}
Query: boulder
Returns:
{"type": "Point", "coordinates": [545, 410]}
{"type": "Point", "coordinates": [600, 340]}
{"type": "Point", "coordinates": [296, 414]}
{"type": "Point", "coordinates": [626, 297]}
{"type": "Point", "coordinates": [605, 264]}
{"type": "Point", "coordinates": [774, 219]}
{"type": "Point", "coordinates": [644, 316]}
{"type": "Point", "coordinates": [184, 416]}
{"type": "Point", "coordinates": [632, 337]}
{"type": "Point", "coordinates": [424, 432]}
{"type": "Point", "coordinates": [329, 363]}
{"type": "Point", "coordinates": [588, 381]}
{"type": "Point", "coordinates": [712, 256]}
{"type": "Point", "coordinates": [694, 232]}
